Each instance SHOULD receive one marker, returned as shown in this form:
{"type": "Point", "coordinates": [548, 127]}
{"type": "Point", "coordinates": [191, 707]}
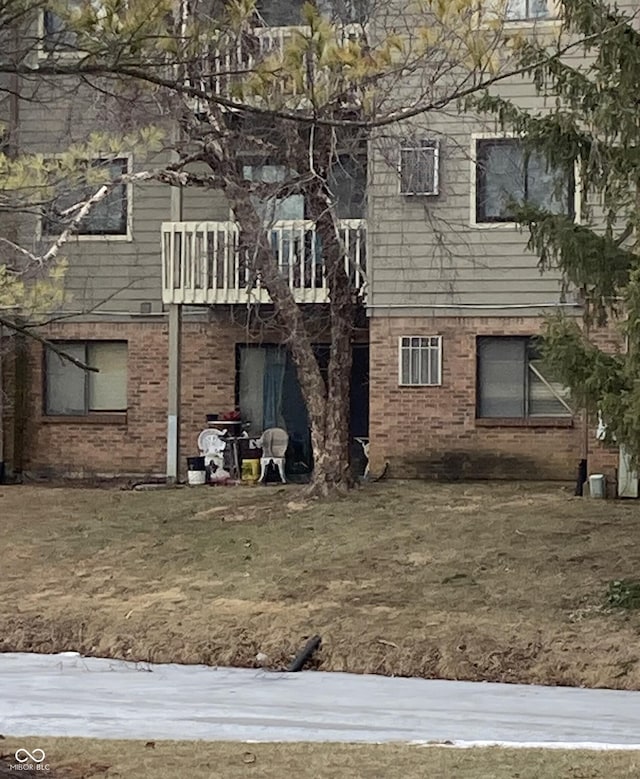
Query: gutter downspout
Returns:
{"type": "Point", "coordinates": [175, 337]}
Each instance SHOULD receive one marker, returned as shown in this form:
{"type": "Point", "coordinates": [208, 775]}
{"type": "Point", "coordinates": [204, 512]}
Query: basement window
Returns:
{"type": "Point", "coordinates": [420, 361]}
{"type": "Point", "coordinates": [73, 391]}
{"type": "Point", "coordinates": [513, 383]}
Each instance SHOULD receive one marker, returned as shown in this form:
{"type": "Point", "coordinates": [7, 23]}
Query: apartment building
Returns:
{"type": "Point", "coordinates": [446, 380]}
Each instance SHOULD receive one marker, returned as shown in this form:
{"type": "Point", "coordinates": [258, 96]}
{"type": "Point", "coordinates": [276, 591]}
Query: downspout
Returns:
{"type": "Point", "coordinates": [175, 314]}
{"type": "Point", "coordinates": [174, 359]}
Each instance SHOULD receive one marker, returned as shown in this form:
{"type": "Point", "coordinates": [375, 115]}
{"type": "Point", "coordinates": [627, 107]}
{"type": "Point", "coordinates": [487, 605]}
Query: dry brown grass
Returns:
{"type": "Point", "coordinates": [91, 759]}
{"type": "Point", "coordinates": [469, 581]}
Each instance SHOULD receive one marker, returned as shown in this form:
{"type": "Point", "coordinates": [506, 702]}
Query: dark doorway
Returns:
{"type": "Point", "coordinates": [269, 395]}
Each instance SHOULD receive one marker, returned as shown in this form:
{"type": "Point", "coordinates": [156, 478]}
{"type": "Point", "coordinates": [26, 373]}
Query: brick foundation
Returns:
{"type": "Point", "coordinates": [432, 432]}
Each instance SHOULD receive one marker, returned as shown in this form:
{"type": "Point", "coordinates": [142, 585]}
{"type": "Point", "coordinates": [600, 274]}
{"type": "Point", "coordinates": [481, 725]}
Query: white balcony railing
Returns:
{"type": "Point", "coordinates": [226, 71]}
{"type": "Point", "coordinates": [202, 263]}
{"type": "Point", "coordinates": [230, 67]}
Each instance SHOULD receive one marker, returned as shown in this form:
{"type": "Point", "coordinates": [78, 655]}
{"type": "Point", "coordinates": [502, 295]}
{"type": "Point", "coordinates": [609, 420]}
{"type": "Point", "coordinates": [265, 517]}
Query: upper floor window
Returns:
{"type": "Point", "coordinates": [57, 35]}
{"type": "Point", "coordinates": [348, 184]}
{"type": "Point", "coordinates": [507, 175]}
{"type": "Point", "coordinates": [520, 10]}
{"type": "Point", "coordinates": [71, 390]}
{"type": "Point", "coordinates": [347, 181]}
{"type": "Point", "coordinates": [513, 383]}
{"type": "Point", "coordinates": [275, 208]}
{"type": "Point", "coordinates": [419, 167]}
{"type": "Point", "coordinates": [288, 13]}
{"type": "Point", "coordinates": [108, 217]}
{"type": "Point", "coordinates": [528, 9]}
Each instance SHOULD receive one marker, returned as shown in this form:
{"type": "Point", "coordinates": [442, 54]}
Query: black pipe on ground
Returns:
{"type": "Point", "coordinates": [304, 654]}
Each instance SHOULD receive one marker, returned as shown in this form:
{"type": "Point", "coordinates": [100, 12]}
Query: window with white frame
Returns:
{"type": "Point", "coordinates": [420, 363]}
{"type": "Point", "coordinates": [521, 10]}
{"type": "Point", "coordinates": [59, 37]}
{"type": "Point", "coordinates": [73, 391]}
{"type": "Point", "coordinates": [56, 35]}
{"type": "Point", "coordinates": [514, 384]}
{"type": "Point", "coordinates": [108, 217]}
{"type": "Point", "coordinates": [508, 175]}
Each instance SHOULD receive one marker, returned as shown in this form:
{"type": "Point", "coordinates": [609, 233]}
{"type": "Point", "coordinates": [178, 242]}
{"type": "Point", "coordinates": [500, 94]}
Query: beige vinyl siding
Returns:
{"type": "Point", "coordinates": [427, 250]}
{"type": "Point", "coordinates": [114, 274]}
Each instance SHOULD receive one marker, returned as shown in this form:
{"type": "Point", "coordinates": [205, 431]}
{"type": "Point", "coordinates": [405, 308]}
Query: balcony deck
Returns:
{"type": "Point", "coordinates": [203, 265]}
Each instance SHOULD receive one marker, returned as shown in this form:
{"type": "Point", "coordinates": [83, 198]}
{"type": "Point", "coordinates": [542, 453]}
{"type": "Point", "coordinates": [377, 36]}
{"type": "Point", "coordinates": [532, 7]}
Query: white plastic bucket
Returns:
{"type": "Point", "coordinates": [196, 477]}
{"type": "Point", "coordinates": [596, 485]}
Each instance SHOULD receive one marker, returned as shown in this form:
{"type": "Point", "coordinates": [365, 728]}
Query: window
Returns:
{"type": "Point", "coordinates": [507, 175]}
{"type": "Point", "coordinates": [108, 217]}
{"type": "Point", "coordinates": [420, 360]}
{"type": "Point", "coordinates": [56, 36]}
{"type": "Point", "coordinates": [280, 13]}
{"type": "Point", "coordinates": [519, 10]}
{"type": "Point", "coordinates": [288, 13]}
{"type": "Point", "coordinates": [419, 164]}
{"type": "Point", "coordinates": [56, 33]}
{"type": "Point", "coordinates": [275, 209]}
{"type": "Point", "coordinates": [348, 184]}
{"type": "Point", "coordinates": [70, 390]}
{"type": "Point", "coordinates": [512, 383]}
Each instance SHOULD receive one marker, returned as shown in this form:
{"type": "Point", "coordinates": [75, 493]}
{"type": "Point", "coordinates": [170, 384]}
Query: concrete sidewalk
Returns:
{"type": "Point", "coordinates": [63, 695]}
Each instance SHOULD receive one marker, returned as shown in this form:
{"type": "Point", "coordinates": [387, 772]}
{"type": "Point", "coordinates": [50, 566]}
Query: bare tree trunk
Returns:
{"type": "Point", "coordinates": [332, 462]}
{"type": "Point", "coordinates": [327, 406]}
{"type": "Point", "coordinates": [255, 245]}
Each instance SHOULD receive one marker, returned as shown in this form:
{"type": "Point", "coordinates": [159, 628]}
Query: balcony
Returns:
{"type": "Point", "coordinates": [227, 72]}
{"type": "Point", "coordinates": [244, 57]}
{"type": "Point", "coordinates": [202, 263]}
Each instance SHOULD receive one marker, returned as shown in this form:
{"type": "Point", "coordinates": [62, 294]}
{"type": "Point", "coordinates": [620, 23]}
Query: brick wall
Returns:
{"type": "Point", "coordinates": [427, 432]}
{"type": "Point", "coordinates": [432, 432]}
{"type": "Point", "coordinates": [136, 444]}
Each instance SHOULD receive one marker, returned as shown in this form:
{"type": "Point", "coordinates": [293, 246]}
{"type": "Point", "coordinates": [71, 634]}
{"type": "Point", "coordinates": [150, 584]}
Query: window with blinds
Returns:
{"type": "Point", "coordinates": [513, 383]}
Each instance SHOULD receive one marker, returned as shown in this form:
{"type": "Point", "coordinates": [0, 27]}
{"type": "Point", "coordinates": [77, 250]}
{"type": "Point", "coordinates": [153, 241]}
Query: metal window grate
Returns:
{"type": "Point", "coordinates": [420, 360]}
{"type": "Point", "coordinates": [419, 168]}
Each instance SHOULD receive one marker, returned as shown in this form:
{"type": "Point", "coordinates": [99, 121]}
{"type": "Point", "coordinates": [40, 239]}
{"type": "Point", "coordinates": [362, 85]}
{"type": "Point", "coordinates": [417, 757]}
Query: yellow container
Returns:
{"type": "Point", "coordinates": [250, 470]}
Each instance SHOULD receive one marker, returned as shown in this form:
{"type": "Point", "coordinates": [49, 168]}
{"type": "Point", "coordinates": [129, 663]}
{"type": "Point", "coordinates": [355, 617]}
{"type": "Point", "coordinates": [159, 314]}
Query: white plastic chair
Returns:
{"type": "Point", "coordinates": [364, 443]}
{"type": "Point", "coordinates": [211, 444]}
{"type": "Point", "coordinates": [274, 443]}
